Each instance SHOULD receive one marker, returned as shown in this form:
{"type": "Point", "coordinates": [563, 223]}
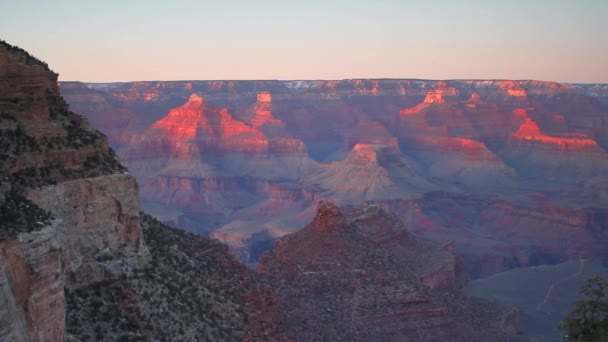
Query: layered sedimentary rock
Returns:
{"type": "Point", "coordinates": [69, 212]}
{"type": "Point", "coordinates": [358, 275]}
{"type": "Point", "coordinates": [193, 290]}
{"type": "Point", "coordinates": [102, 114]}
{"type": "Point", "coordinates": [532, 151]}
{"type": "Point", "coordinates": [467, 221]}
{"type": "Point", "coordinates": [31, 287]}
{"type": "Point", "coordinates": [204, 161]}
{"type": "Point", "coordinates": [100, 234]}
{"type": "Point", "coordinates": [530, 144]}
{"type": "Point", "coordinates": [260, 116]}
{"type": "Point", "coordinates": [387, 174]}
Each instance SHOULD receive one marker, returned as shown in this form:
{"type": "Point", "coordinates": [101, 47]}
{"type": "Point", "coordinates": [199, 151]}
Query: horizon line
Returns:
{"type": "Point", "coordinates": [336, 79]}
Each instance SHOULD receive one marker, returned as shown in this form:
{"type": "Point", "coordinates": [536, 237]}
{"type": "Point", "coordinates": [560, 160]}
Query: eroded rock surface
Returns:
{"type": "Point", "coordinates": [359, 275]}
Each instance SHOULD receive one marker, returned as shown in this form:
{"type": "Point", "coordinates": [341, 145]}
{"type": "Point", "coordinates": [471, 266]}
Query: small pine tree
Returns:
{"type": "Point", "coordinates": [588, 321]}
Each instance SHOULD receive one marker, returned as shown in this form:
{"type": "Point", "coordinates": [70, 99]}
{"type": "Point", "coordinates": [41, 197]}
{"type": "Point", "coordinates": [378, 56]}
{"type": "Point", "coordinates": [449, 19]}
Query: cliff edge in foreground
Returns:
{"type": "Point", "coordinates": [69, 212]}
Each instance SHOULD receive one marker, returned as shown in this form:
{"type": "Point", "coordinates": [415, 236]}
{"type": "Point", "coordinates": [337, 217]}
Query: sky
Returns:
{"type": "Point", "coordinates": [131, 40]}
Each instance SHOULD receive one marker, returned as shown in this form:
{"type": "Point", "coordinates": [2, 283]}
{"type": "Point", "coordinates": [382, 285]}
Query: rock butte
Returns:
{"type": "Point", "coordinates": [334, 281]}
{"type": "Point", "coordinates": [527, 145]}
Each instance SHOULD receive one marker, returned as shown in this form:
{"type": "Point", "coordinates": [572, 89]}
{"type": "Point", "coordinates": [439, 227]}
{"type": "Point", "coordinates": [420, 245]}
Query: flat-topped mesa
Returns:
{"type": "Point", "coordinates": [139, 92]}
{"type": "Point", "coordinates": [369, 87]}
{"type": "Point", "coordinates": [328, 218]}
{"type": "Point", "coordinates": [529, 130]}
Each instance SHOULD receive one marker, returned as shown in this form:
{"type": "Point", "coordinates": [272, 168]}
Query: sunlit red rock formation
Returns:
{"type": "Point", "coordinates": [529, 130]}
{"type": "Point", "coordinates": [416, 137]}
{"type": "Point", "coordinates": [466, 161]}
{"type": "Point", "coordinates": [263, 113]}
{"type": "Point", "coordinates": [433, 97]}
{"type": "Point", "coordinates": [196, 119]}
{"type": "Point", "coordinates": [201, 160]}
{"type": "Point", "coordinates": [513, 89]}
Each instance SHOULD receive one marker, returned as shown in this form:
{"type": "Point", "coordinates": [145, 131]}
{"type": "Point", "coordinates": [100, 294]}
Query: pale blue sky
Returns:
{"type": "Point", "coordinates": [559, 40]}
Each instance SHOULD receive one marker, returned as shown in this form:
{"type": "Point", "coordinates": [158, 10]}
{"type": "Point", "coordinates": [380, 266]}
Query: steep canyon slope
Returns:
{"type": "Point", "coordinates": [514, 173]}
{"type": "Point", "coordinates": [359, 275]}
{"type": "Point", "coordinates": [69, 212]}
{"type": "Point", "coordinates": [78, 260]}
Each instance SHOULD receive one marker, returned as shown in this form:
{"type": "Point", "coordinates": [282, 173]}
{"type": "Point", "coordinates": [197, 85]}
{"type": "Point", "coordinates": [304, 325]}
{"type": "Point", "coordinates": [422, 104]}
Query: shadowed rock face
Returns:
{"type": "Point", "coordinates": [251, 159]}
{"type": "Point", "coordinates": [69, 213]}
{"type": "Point", "coordinates": [359, 275]}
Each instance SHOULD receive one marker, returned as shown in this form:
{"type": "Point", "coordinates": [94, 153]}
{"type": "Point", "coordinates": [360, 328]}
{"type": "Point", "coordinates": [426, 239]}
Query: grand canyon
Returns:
{"type": "Point", "coordinates": [511, 173]}
{"type": "Point", "coordinates": [329, 210]}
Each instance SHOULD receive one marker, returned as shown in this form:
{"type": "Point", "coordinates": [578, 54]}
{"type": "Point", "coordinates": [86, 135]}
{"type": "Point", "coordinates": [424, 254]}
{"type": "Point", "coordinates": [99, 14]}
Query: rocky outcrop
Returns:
{"type": "Point", "coordinates": [100, 234]}
{"type": "Point", "coordinates": [533, 152]}
{"type": "Point", "coordinates": [357, 276]}
{"type": "Point", "coordinates": [194, 290]}
{"type": "Point", "coordinates": [386, 172]}
{"type": "Point", "coordinates": [31, 287]}
{"type": "Point", "coordinates": [53, 165]}
{"type": "Point", "coordinates": [463, 219]}
{"type": "Point", "coordinates": [261, 116]}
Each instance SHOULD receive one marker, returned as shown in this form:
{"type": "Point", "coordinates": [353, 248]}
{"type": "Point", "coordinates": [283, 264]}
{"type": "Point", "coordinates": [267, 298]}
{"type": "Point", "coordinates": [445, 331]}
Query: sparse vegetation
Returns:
{"type": "Point", "coordinates": [24, 55]}
{"type": "Point", "coordinates": [18, 214]}
{"type": "Point", "coordinates": [54, 157]}
{"type": "Point", "coordinates": [588, 321]}
{"type": "Point", "coordinates": [191, 291]}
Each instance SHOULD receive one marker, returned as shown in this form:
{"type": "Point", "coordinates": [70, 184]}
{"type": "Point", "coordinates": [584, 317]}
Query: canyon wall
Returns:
{"type": "Point", "coordinates": [210, 156]}
{"type": "Point", "coordinates": [69, 211]}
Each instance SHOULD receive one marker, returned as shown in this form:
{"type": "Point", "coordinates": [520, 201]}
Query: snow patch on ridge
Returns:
{"type": "Point", "coordinates": [299, 84]}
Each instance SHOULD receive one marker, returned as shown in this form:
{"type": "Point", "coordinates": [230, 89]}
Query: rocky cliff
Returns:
{"type": "Point", "coordinates": [70, 212]}
{"type": "Point", "coordinates": [193, 290]}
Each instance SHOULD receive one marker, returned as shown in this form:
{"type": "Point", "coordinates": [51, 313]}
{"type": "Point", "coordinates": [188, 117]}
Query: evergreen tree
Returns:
{"type": "Point", "coordinates": [588, 321]}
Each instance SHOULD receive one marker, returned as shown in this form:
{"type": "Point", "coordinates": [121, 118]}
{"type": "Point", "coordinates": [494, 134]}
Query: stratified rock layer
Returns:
{"type": "Point", "coordinates": [538, 147]}
{"type": "Point", "coordinates": [31, 287]}
{"type": "Point", "coordinates": [359, 276]}
{"type": "Point", "coordinates": [52, 164]}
